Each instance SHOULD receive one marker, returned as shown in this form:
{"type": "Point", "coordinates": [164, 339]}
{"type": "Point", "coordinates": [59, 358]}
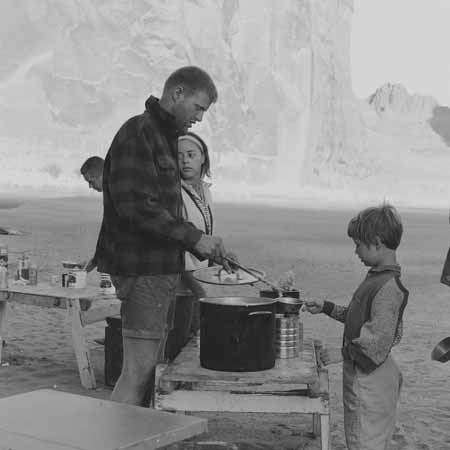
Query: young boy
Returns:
{"type": "Point", "coordinates": [373, 324]}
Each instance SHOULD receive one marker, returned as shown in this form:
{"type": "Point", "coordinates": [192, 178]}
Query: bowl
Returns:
{"type": "Point", "coordinates": [441, 352]}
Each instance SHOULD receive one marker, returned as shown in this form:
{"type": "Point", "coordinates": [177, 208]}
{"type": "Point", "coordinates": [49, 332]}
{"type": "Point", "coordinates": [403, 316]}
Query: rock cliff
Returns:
{"type": "Point", "coordinates": [286, 123]}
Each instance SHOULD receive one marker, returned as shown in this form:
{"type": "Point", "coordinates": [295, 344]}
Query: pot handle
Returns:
{"type": "Point", "coordinates": [259, 313]}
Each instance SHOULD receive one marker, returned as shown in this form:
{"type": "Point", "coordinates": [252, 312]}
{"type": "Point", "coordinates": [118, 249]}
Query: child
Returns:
{"type": "Point", "coordinates": [373, 324]}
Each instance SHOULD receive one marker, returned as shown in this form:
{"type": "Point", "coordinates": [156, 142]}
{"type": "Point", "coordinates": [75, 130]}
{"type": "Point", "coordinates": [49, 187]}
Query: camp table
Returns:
{"type": "Point", "coordinates": [78, 303]}
{"type": "Point", "coordinates": [47, 419]}
{"type": "Point", "coordinates": [295, 385]}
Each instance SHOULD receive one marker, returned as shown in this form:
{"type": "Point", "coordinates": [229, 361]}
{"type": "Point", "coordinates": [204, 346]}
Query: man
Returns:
{"type": "Point", "coordinates": [92, 171]}
{"type": "Point", "coordinates": [144, 236]}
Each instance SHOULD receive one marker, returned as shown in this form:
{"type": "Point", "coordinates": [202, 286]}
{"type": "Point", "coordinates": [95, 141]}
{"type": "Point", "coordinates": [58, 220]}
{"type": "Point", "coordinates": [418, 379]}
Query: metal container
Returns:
{"type": "Point", "coordinates": [288, 336]}
{"type": "Point", "coordinates": [237, 333]}
{"type": "Point", "coordinates": [74, 279]}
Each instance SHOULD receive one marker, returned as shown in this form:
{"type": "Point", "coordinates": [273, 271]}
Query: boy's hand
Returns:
{"type": "Point", "coordinates": [330, 356]}
{"type": "Point", "coordinates": [313, 306]}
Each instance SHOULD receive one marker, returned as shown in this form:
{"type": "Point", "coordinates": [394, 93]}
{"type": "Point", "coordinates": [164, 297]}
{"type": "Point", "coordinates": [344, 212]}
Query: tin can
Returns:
{"type": "Point", "coordinates": [4, 254]}
{"type": "Point", "coordinates": [33, 274]}
{"type": "Point", "coordinates": [106, 285]}
{"type": "Point", "coordinates": [74, 279]}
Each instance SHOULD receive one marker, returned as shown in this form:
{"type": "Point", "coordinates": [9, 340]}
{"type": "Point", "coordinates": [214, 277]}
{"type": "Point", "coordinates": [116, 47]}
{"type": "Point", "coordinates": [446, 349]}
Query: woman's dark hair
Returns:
{"type": "Point", "coordinates": [206, 170]}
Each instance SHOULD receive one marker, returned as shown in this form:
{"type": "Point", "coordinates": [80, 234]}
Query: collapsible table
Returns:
{"type": "Point", "coordinates": [295, 385]}
{"type": "Point", "coordinates": [52, 420]}
{"type": "Point", "coordinates": [78, 303]}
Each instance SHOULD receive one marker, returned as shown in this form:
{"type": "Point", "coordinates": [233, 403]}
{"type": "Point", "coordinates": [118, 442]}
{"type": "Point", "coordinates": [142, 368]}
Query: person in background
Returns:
{"type": "Point", "coordinates": [372, 326]}
{"type": "Point", "coordinates": [92, 172]}
{"type": "Point", "coordinates": [144, 236]}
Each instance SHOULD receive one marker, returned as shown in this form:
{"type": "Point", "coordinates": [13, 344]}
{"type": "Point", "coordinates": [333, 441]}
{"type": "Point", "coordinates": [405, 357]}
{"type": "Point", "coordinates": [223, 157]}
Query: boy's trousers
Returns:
{"type": "Point", "coordinates": [370, 405]}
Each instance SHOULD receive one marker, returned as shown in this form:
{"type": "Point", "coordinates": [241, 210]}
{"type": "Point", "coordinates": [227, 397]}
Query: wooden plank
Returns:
{"type": "Point", "coordinates": [186, 368]}
{"type": "Point", "coordinates": [50, 290]}
{"type": "Point", "coordinates": [34, 300]}
{"type": "Point", "coordinates": [225, 401]}
{"type": "Point", "coordinates": [99, 313]}
{"type": "Point", "coordinates": [48, 296]}
{"type": "Point", "coordinates": [84, 423]}
{"type": "Point", "coordinates": [80, 346]}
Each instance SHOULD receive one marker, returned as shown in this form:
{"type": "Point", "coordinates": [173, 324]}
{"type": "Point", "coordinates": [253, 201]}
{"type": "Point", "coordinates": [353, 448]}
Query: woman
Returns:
{"type": "Point", "coordinates": [193, 159]}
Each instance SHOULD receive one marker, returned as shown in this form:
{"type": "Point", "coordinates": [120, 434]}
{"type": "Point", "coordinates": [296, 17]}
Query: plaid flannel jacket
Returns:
{"type": "Point", "coordinates": [143, 231]}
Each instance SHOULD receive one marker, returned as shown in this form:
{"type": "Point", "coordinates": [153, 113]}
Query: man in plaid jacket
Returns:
{"type": "Point", "coordinates": [143, 236]}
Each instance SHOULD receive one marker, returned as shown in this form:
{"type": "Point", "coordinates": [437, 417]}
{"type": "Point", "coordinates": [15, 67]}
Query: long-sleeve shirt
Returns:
{"type": "Point", "coordinates": [143, 231]}
{"type": "Point", "coordinates": [378, 306]}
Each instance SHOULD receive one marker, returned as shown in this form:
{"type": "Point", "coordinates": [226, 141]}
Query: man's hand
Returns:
{"type": "Point", "coordinates": [330, 355]}
{"type": "Point", "coordinates": [313, 306]}
{"type": "Point", "coordinates": [211, 247]}
{"type": "Point", "coordinates": [228, 265]}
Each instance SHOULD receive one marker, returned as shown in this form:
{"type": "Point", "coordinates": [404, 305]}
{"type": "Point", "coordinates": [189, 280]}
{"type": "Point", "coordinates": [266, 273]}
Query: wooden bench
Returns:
{"type": "Point", "coordinates": [78, 303]}
{"type": "Point", "coordinates": [297, 385]}
{"type": "Point", "coordinates": [52, 420]}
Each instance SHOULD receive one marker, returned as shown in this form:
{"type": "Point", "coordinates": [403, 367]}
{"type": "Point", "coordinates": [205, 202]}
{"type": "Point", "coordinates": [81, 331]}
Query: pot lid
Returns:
{"type": "Point", "coordinates": [239, 301]}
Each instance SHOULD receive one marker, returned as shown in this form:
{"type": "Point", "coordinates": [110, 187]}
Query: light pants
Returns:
{"type": "Point", "coordinates": [370, 405]}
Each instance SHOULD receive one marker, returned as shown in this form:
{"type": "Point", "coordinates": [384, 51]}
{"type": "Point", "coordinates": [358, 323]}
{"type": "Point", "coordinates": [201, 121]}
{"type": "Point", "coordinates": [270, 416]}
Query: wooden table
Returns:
{"type": "Point", "coordinates": [78, 303]}
{"type": "Point", "coordinates": [297, 385]}
{"type": "Point", "coordinates": [52, 420]}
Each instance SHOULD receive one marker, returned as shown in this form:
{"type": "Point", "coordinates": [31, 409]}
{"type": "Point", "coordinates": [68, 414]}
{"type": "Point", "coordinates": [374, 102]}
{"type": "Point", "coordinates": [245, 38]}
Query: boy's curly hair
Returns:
{"type": "Point", "coordinates": [382, 221]}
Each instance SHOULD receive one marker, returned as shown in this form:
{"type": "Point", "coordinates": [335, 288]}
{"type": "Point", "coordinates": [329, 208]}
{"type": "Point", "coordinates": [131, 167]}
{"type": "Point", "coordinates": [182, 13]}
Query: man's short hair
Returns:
{"type": "Point", "coordinates": [381, 221]}
{"type": "Point", "coordinates": [193, 79]}
{"type": "Point", "coordinates": [93, 165]}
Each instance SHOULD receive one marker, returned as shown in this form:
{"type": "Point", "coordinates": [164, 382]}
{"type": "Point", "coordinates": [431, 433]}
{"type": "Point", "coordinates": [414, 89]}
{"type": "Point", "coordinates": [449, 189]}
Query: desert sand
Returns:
{"type": "Point", "coordinates": [313, 243]}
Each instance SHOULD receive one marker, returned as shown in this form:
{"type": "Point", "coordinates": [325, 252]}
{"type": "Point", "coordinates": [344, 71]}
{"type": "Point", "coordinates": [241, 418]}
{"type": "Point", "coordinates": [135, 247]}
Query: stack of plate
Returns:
{"type": "Point", "coordinates": [288, 335]}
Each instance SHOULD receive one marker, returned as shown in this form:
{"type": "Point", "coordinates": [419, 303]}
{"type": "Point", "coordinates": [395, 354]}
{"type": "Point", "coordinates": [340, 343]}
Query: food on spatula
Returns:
{"type": "Point", "coordinates": [228, 278]}
{"type": "Point", "coordinates": [286, 281]}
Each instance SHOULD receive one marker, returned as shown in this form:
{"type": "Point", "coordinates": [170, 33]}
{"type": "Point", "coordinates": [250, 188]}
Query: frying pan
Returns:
{"type": "Point", "coordinates": [441, 352]}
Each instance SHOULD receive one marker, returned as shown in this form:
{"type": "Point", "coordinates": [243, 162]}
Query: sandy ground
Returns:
{"type": "Point", "coordinates": [313, 243]}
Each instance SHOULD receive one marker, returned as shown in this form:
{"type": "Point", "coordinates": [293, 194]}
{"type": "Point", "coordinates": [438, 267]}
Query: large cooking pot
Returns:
{"type": "Point", "coordinates": [237, 334]}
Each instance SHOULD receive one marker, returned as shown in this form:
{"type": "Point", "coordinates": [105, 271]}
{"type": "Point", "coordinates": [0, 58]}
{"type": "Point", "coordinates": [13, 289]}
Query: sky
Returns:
{"type": "Point", "coordinates": [402, 41]}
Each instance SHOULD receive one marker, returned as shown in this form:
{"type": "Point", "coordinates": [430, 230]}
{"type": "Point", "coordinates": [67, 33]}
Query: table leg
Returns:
{"type": "Point", "coordinates": [80, 346]}
{"type": "Point", "coordinates": [316, 424]}
{"type": "Point", "coordinates": [324, 431]}
{"type": "Point", "coordinates": [3, 306]}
